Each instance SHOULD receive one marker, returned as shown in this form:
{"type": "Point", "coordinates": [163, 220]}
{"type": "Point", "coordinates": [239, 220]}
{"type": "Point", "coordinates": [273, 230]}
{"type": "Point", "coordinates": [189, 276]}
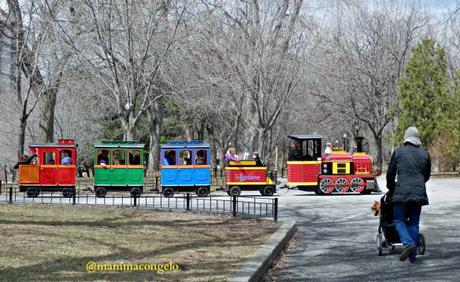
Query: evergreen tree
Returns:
{"type": "Point", "coordinates": [423, 99]}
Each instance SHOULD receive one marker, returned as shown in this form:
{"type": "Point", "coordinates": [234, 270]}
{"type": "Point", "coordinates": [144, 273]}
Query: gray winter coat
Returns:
{"type": "Point", "coordinates": [412, 165]}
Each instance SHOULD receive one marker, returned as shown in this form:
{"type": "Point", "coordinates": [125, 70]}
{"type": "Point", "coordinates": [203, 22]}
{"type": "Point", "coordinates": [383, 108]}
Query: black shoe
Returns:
{"type": "Point", "coordinates": [407, 252]}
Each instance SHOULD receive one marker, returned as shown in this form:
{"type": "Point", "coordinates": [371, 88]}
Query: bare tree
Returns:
{"type": "Point", "coordinates": [125, 46]}
{"type": "Point", "coordinates": [36, 59]}
{"type": "Point", "coordinates": [369, 51]}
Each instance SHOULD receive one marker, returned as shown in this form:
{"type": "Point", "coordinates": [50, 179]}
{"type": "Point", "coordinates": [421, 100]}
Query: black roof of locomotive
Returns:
{"type": "Point", "coordinates": [300, 137]}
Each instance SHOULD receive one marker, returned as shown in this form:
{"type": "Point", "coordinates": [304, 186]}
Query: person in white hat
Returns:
{"type": "Point", "coordinates": [411, 166]}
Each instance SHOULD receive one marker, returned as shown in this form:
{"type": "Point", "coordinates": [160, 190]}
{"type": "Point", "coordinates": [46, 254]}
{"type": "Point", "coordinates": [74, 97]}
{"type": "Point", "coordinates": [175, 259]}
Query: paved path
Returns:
{"type": "Point", "coordinates": [337, 237]}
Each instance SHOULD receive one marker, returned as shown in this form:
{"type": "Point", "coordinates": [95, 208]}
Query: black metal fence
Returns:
{"type": "Point", "coordinates": [243, 205]}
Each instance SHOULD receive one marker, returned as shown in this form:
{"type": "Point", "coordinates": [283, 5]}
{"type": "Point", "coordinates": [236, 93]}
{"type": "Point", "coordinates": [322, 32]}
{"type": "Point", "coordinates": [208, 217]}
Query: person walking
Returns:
{"type": "Point", "coordinates": [411, 166]}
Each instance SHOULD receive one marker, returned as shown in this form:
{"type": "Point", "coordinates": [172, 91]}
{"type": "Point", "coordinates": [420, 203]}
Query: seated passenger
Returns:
{"type": "Point", "coordinates": [294, 153]}
{"type": "Point", "coordinates": [231, 155]}
{"type": "Point", "coordinates": [134, 159]}
{"type": "Point", "coordinates": [170, 158]}
{"type": "Point", "coordinates": [256, 157]}
{"type": "Point", "coordinates": [51, 162]}
{"type": "Point", "coordinates": [103, 158]}
{"type": "Point", "coordinates": [200, 159]}
{"type": "Point", "coordinates": [66, 159]}
{"type": "Point", "coordinates": [187, 161]}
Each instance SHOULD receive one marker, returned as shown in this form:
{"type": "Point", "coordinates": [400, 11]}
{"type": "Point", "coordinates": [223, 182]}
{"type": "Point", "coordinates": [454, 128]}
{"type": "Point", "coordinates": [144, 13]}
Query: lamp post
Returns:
{"type": "Point", "coordinates": [345, 142]}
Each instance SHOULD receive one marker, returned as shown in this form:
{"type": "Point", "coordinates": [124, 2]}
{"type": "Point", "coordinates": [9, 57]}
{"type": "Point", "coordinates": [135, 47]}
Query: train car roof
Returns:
{"type": "Point", "coordinates": [298, 137]}
{"type": "Point", "coordinates": [119, 144]}
{"type": "Point", "coordinates": [52, 145]}
{"type": "Point", "coordinates": [185, 144]}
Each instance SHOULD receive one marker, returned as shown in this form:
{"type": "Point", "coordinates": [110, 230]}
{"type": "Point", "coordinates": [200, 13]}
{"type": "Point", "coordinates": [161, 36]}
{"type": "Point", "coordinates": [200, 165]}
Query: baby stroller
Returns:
{"type": "Point", "coordinates": [388, 237]}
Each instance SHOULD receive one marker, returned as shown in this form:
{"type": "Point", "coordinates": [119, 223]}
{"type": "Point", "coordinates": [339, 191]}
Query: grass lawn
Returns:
{"type": "Point", "coordinates": [55, 242]}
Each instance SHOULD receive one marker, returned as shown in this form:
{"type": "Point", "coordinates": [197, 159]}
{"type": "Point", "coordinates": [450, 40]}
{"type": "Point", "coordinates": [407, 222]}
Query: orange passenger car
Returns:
{"type": "Point", "coordinates": [52, 169]}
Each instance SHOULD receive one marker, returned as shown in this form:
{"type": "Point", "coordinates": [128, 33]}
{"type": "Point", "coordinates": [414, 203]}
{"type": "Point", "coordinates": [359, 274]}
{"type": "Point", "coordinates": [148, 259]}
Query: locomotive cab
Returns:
{"type": "Point", "coordinates": [304, 162]}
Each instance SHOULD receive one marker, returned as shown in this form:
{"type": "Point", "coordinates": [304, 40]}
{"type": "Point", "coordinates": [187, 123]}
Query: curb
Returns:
{"type": "Point", "coordinates": [257, 265]}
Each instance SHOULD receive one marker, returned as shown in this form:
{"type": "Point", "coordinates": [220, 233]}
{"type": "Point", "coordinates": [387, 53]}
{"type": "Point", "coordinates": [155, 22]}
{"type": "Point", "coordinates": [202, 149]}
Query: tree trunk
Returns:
{"type": "Point", "coordinates": [155, 120]}
{"type": "Point", "coordinates": [22, 134]}
{"type": "Point", "coordinates": [128, 127]}
{"type": "Point", "coordinates": [379, 157]}
{"type": "Point", "coordinates": [260, 142]}
{"type": "Point", "coordinates": [46, 124]}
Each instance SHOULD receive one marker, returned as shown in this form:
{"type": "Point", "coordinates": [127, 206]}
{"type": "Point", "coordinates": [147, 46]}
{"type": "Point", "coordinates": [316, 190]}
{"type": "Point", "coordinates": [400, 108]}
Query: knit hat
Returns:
{"type": "Point", "coordinates": [411, 136]}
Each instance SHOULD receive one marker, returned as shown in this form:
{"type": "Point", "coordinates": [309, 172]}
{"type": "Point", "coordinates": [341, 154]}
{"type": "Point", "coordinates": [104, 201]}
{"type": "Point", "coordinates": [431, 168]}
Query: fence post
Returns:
{"type": "Point", "coordinates": [234, 205]}
{"type": "Point", "coordinates": [156, 183]}
{"type": "Point", "coordinates": [275, 214]}
{"type": "Point", "coordinates": [135, 200]}
{"type": "Point", "coordinates": [1, 187]}
{"type": "Point", "coordinates": [74, 196]}
{"type": "Point", "coordinates": [188, 201]}
{"type": "Point", "coordinates": [11, 194]}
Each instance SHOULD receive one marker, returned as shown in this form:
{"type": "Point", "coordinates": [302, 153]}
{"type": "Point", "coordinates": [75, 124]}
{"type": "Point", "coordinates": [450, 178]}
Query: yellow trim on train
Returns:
{"type": "Point", "coordinates": [246, 168]}
{"type": "Point", "coordinates": [302, 183]}
{"type": "Point", "coordinates": [338, 167]}
{"type": "Point", "coordinates": [247, 183]}
{"type": "Point", "coordinates": [362, 172]}
{"type": "Point", "coordinates": [243, 162]}
{"type": "Point", "coordinates": [303, 162]}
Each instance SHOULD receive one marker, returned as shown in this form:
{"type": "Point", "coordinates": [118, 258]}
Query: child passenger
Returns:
{"type": "Point", "coordinates": [231, 155]}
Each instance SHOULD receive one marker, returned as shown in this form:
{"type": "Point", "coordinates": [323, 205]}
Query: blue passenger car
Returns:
{"type": "Point", "coordinates": [185, 166]}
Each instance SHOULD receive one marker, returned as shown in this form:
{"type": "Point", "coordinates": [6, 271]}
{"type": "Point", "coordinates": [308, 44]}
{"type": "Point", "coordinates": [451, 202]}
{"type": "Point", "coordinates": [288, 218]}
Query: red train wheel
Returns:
{"type": "Point", "coordinates": [356, 185]}
{"type": "Point", "coordinates": [341, 185]}
{"type": "Point", "coordinates": [326, 186]}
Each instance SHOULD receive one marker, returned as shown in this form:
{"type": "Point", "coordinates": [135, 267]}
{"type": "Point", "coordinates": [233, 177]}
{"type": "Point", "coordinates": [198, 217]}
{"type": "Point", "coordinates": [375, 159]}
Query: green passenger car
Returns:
{"type": "Point", "coordinates": [118, 166]}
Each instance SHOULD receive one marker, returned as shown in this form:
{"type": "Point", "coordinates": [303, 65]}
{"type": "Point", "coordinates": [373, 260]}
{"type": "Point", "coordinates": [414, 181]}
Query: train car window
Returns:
{"type": "Point", "coordinates": [169, 157]}
{"type": "Point", "coordinates": [118, 157]}
{"type": "Point", "coordinates": [66, 157]}
{"type": "Point", "coordinates": [310, 150]}
{"type": "Point", "coordinates": [134, 157]}
{"type": "Point", "coordinates": [201, 157]}
{"type": "Point", "coordinates": [102, 157]}
{"type": "Point", "coordinates": [185, 157]}
{"type": "Point", "coordinates": [50, 158]}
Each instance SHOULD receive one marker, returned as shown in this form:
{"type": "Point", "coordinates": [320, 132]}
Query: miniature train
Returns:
{"type": "Point", "coordinates": [185, 166]}
{"type": "Point", "coordinates": [335, 172]}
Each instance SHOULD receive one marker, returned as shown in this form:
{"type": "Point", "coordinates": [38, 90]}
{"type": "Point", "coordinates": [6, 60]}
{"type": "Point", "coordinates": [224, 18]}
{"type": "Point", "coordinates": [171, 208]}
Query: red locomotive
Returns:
{"type": "Point", "coordinates": [50, 168]}
{"type": "Point", "coordinates": [335, 172]}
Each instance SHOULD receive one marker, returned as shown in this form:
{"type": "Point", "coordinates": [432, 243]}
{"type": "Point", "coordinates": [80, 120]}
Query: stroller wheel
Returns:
{"type": "Point", "coordinates": [421, 246]}
{"type": "Point", "coordinates": [379, 241]}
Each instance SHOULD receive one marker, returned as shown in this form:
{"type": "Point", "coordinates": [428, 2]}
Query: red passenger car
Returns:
{"type": "Point", "coordinates": [336, 172]}
{"type": "Point", "coordinates": [51, 169]}
{"type": "Point", "coordinates": [245, 175]}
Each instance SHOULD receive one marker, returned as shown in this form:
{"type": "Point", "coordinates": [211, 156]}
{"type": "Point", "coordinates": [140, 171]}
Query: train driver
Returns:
{"type": "Point", "coordinates": [294, 152]}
